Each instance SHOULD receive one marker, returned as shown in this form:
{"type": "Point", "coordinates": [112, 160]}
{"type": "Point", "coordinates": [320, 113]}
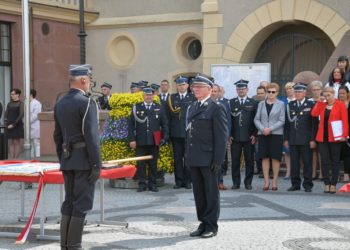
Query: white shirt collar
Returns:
{"type": "Point", "coordinates": [205, 99]}
{"type": "Point", "coordinates": [150, 104]}
{"type": "Point", "coordinates": [302, 101]}
{"type": "Point", "coordinates": [244, 98]}
{"type": "Point", "coordinates": [183, 94]}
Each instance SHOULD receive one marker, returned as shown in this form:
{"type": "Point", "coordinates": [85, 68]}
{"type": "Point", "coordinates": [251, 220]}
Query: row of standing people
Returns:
{"type": "Point", "coordinates": [292, 128]}
{"type": "Point", "coordinates": [13, 118]}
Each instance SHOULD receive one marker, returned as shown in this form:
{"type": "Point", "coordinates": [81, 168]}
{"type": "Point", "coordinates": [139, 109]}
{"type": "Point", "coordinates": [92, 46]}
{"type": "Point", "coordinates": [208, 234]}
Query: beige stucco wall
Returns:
{"type": "Point", "coordinates": [155, 52]}
{"type": "Point", "coordinates": [231, 31]}
{"type": "Point", "coordinates": [123, 8]}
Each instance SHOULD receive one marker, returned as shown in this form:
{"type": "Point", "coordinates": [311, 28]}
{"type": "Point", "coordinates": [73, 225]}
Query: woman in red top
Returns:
{"type": "Point", "coordinates": [329, 110]}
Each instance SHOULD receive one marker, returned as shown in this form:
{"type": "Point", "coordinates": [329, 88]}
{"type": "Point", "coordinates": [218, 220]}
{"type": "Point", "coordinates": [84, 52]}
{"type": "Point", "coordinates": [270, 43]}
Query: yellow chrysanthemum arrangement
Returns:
{"type": "Point", "coordinates": [114, 143]}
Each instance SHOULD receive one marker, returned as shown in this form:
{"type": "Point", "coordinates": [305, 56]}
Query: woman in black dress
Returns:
{"type": "Point", "coordinates": [14, 122]}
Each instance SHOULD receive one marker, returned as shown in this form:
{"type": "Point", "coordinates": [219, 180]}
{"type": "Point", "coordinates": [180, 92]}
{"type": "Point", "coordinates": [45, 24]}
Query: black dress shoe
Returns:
{"type": "Point", "coordinates": [293, 188]}
{"type": "Point", "coordinates": [141, 189]}
{"type": "Point", "coordinates": [248, 187]}
{"type": "Point", "coordinates": [208, 234]}
{"type": "Point", "coordinates": [308, 189]}
{"type": "Point", "coordinates": [235, 187]}
{"type": "Point", "coordinates": [197, 233]}
{"type": "Point", "coordinates": [153, 189]}
{"type": "Point", "coordinates": [177, 186]}
{"type": "Point", "coordinates": [188, 186]}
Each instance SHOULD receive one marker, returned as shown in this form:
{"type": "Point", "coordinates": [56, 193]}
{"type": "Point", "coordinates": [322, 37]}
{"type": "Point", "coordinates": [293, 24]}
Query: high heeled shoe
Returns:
{"type": "Point", "coordinates": [326, 189]}
{"type": "Point", "coordinates": [266, 188]}
{"type": "Point", "coordinates": [332, 189]}
{"type": "Point", "coordinates": [274, 188]}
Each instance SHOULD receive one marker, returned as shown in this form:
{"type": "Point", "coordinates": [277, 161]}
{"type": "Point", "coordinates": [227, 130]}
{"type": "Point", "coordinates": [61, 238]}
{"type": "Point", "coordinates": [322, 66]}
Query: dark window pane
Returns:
{"type": "Point", "coordinates": [194, 49]}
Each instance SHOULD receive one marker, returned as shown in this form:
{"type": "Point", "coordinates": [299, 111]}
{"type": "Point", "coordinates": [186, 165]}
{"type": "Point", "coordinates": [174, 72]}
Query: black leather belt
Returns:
{"type": "Point", "coordinates": [78, 145]}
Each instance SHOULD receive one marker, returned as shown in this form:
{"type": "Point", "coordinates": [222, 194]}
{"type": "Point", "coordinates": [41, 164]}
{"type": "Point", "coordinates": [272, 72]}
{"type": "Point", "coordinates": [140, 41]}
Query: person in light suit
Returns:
{"type": "Point", "coordinates": [269, 120]}
{"type": "Point", "coordinates": [35, 109]}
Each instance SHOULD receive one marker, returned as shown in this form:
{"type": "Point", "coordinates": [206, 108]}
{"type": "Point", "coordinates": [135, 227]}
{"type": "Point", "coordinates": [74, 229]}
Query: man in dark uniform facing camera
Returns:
{"type": "Point", "coordinates": [78, 150]}
{"type": "Point", "coordinates": [243, 132]}
{"type": "Point", "coordinates": [164, 92]}
{"type": "Point", "coordinates": [300, 132]}
{"type": "Point", "coordinates": [207, 136]}
{"type": "Point", "coordinates": [146, 123]}
{"type": "Point", "coordinates": [104, 100]}
{"type": "Point", "coordinates": [177, 108]}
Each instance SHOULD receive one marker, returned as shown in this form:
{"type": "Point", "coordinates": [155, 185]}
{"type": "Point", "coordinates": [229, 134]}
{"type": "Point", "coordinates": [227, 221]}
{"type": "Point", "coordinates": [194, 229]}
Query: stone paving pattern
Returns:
{"type": "Point", "coordinates": [248, 220]}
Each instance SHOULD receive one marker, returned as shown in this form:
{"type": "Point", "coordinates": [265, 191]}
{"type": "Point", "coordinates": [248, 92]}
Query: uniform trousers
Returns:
{"type": "Point", "coordinates": [182, 172]}
{"type": "Point", "coordinates": [236, 152]}
{"type": "Point", "coordinates": [303, 152]}
{"type": "Point", "coordinates": [79, 193]}
{"type": "Point", "coordinates": [330, 159]}
{"type": "Point", "coordinates": [141, 165]}
{"type": "Point", "coordinates": [207, 197]}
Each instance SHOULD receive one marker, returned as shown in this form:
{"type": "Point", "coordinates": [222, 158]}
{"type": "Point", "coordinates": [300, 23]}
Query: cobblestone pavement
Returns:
{"type": "Point", "coordinates": [248, 220]}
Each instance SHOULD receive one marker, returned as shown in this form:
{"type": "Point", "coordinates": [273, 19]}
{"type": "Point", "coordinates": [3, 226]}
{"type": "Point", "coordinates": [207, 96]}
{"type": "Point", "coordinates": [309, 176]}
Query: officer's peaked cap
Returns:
{"type": "Point", "coordinates": [107, 85]}
{"type": "Point", "coordinates": [155, 86]}
{"type": "Point", "coordinates": [148, 90]}
{"type": "Point", "coordinates": [201, 78]}
{"type": "Point", "coordinates": [181, 79]}
{"type": "Point", "coordinates": [80, 70]}
{"type": "Point", "coordinates": [241, 83]}
{"type": "Point", "coordinates": [300, 86]}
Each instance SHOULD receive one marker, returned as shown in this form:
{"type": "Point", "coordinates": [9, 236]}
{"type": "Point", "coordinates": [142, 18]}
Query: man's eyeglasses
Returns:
{"type": "Point", "coordinates": [271, 92]}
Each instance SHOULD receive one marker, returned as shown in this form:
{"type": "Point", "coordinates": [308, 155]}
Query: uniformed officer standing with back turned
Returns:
{"type": "Point", "coordinates": [78, 150]}
{"type": "Point", "coordinates": [147, 120]}
{"type": "Point", "coordinates": [300, 132]}
{"type": "Point", "coordinates": [207, 136]}
{"type": "Point", "coordinates": [177, 108]}
{"type": "Point", "coordinates": [243, 133]}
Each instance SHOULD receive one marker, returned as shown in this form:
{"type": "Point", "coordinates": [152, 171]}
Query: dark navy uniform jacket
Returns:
{"type": "Point", "coordinates": [207, 134]}
{"type": "Point", "coordinates": [104, 104]}
{"type": "Point", "coordinates": [300, 127]}
{"type": "Point", "coordinates": [76, 121]}
{"type": "Point", "coordinates": [165, 102]}
{"type": "Point", "coordinates": [146, 122]}
{"type": "Point", "coordinates": [242, 116]}
{"type": "Point", "coordinates": [226, 103]}
{"type": "Point", "coordinates": [177, 109]}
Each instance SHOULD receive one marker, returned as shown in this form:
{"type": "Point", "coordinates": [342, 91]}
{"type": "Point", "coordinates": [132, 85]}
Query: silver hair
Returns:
{"type": "Point", "coordinates": [316, 83]}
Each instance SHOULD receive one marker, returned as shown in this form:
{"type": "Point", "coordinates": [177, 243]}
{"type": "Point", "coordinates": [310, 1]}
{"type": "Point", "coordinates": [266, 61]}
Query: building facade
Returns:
{"type": "Point", "coordinates": [154, 40]}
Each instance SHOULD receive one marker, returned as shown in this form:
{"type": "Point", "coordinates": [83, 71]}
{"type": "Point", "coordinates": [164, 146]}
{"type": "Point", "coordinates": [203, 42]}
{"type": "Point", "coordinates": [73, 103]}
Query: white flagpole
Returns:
{"type": "Point", "coordinates": [26, 77]}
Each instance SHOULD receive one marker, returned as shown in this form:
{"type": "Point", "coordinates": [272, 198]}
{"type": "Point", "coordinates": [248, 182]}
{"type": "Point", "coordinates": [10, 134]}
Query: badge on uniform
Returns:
{"type": "Point", "coordinates": [156, 110]}
{"type": "Point", "coordinates": [301, 113]}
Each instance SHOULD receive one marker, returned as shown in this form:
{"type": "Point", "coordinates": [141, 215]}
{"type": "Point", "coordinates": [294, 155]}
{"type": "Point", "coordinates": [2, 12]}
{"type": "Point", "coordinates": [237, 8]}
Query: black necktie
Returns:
{"type": "Point", "coordinates": [163, 97]}
{"type": "Point", "coordinates": [242, 101]}
{"type": "Point", "coordinates": [181, 97]}
{"type": "Point", "coordinates": [198, 104]}
{"type": "Point", "coordinates": [299, 104]}
{"type": "Point", "coordinates": [148, 106]}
